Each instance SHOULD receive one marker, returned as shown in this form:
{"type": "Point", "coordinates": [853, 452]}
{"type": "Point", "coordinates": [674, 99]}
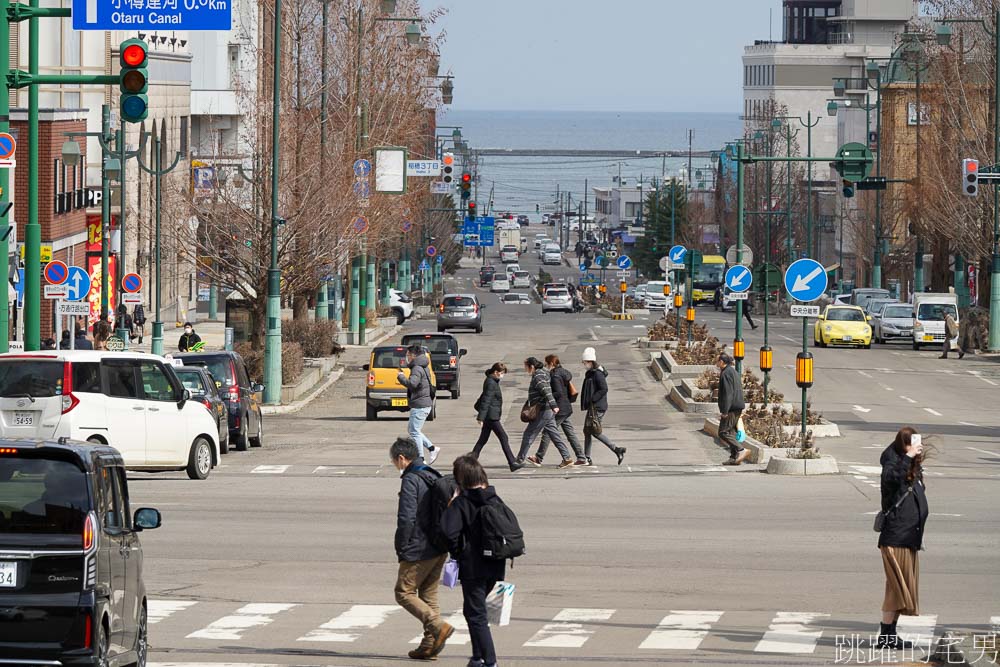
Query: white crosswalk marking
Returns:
{"type": "Point", "coordinates": [461, 634]}
{"type": "Point", "coordinates": [270, 470]}
{"type": "Point", "coordinates": [157, 610]}
{"type": "Point", "coordinates": [358, 617]}
{"type": "Point", "coordinates": [247, 617]}
{"type": "Point", "coordinates": [567, 630]}
{"type": "Point", "coordinates": [684, 630]}
{"type": "Point", "coordinates": [917, 629]}
{"type": "Point", "coordinates": [789, 632]}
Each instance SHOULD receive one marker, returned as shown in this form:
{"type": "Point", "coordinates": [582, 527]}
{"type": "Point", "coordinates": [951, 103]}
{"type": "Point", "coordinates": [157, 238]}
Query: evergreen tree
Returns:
{"type": "Point", "coordinates": [657, 209]}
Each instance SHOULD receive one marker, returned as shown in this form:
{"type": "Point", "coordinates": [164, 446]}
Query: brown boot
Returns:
{"type": "Point", "coordinates": [423, 652]}
{"type": "Point", "coordinates": [741, 457]}
{"type": "Point", "coordinates": [440, 639]}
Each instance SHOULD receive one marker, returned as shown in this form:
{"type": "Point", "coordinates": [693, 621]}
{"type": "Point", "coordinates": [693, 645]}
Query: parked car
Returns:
{"type": "Point", "coordinates": [500, 284]}
{"type": "Point", "coordinates": [486, 274]}
{"type": "Point", "coordinates": [382, 390]}
{"type": "Point", "coordinates": [446, 359]}
{"type": "Point", "coordinates": [129, 400]}
{"type": "Point", "coordinates": [204, 389]}
{"type": "Point", "coordinates": [241, 394]}
{"type": "Point", "coordinates": [401, 305]}
{"type": "Point", "coordinates": [521, 279]}
{"type": "Point", "coordinates": [71, 574]}
{"type": "Point", "coordinates": [460, 311]}
{"type": "Point", "coordinates": [557, 299]}
{"type": "Point", "coordinates": [894, 322]}
{"type": "Point", "coordinates": [843, 325]}
{"type": "Point", "coordinates": [509, 253]}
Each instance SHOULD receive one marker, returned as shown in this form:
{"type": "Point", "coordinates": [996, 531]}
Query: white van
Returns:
{"type": "Point", "coordinates": [552, 254]}
{"type": "Point", "coordinates": [655, 299]}
{"type": "Point", "coordinates": [129, 400]}
{"type": "Point", "coordinates": [929, 310]}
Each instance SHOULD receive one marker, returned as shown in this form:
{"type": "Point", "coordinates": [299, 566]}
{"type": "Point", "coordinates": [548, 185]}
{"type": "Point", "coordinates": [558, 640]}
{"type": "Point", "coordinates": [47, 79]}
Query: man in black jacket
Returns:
{"type": "Point", "coordinates": [561, 381]}
{"type": "Point", "coordinates": [420, 562]}
{"type": "Point", "coordinates": [731, 406]}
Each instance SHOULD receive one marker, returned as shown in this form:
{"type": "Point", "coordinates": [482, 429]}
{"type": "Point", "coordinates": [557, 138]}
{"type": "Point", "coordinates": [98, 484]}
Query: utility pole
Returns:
{"type": "Point", "coordinates": [690, 155]}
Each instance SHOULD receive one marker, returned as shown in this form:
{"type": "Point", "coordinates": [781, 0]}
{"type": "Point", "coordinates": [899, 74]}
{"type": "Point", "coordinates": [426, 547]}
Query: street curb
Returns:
{"type": "Point", "coordinates": [780, 464]}
{"type": "Point", "coordinates": [298, 405]}
{"type": "Point", "coordinates": [759, 453]}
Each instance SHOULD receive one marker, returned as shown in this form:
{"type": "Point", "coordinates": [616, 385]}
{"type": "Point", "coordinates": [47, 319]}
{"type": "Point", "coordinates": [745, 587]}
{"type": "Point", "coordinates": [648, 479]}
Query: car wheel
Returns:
{"type": "Point", "coordinates": [399, 315]}
{"type": "Point", "coordinates": [456, 392]}
{"type": "Point", "coordinates": [142, 639]}
{"type": "Point", "coordinates": [258, 440]}
{"type": "Point", "coordinates": [371, 414]}
{"type": "Point", "coordinates": [440, 329]}
{"type": "Point", "coordinates": [479, 330]}
{"type": "Point", "coordinates": [544, 311]}
{"type": "Point", "coordinates": [101, 649]}
{"type": "Point", "coordinates": [95, 440]}
{"type": "Point", "coordinates": [224, 442]}
{"type": "Point", "coordinates": [200, 459]}
{"type": "Point", "coordinates": [241, 437]}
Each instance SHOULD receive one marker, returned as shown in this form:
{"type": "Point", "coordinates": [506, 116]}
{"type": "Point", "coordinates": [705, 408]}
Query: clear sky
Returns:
{"type": "Point", "coordinates": [601, 55]}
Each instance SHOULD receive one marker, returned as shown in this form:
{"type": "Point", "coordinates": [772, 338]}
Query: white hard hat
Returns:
{"type": "Point", "coordinates": [589, 354]}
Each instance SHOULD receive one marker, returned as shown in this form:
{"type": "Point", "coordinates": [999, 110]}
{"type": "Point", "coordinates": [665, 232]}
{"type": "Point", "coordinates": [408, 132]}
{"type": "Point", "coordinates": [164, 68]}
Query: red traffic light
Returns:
{"type": "Point", "coordinates": [466, 178]}
{"type": "Point", "coordinates": [134, 55]}
{"type": "Point", "coordinates": [472, 206]}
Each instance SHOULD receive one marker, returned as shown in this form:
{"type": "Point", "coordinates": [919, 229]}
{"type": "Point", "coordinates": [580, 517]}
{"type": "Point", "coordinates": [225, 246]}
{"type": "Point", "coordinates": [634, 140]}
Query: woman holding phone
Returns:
{"type": "Point", "coordinates": [904, 507]}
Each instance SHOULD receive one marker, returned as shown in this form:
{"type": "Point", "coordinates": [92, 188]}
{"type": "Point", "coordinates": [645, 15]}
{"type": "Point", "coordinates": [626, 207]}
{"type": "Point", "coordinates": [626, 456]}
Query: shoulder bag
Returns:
{"type": "Point", "coordinates": [530, 412]}
{"type": "Point", "coordinates": [880, 517]}
{"type": "Point", "coordinates": [592, 422]}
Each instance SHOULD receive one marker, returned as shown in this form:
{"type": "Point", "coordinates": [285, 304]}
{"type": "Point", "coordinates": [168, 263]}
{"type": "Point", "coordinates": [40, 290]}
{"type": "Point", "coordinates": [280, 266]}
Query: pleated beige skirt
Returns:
{"type": "Point", "coordinates": [902, 579]}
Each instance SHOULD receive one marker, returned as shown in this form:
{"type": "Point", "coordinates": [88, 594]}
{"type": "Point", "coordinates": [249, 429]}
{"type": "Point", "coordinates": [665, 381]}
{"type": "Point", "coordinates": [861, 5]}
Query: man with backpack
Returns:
{"type": "Point", "coordinates": [420, 547]}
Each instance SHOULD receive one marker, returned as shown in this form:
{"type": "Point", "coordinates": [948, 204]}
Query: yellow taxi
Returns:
{"type": "Point", "coordinates": [843, 325]}
{"type": "Point", "coordinates": [383, 392]}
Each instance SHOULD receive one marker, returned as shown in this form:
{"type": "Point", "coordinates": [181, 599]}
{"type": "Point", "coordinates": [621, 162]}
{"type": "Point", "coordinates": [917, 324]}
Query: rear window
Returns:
{"type": "Point", "coordinates": [221, 368]}
{"type": "Point", "coordinates": [557, 292]}
{"type": "Point", "coordinates": [459, 302]}
{"type": "Point", "coordinates": [391, 357]}
{"type": "Point", "coordinates": [521, 274]}
{"type": "Point", "coordinates": [509, 248]}
{"type": "Point", "coordinates": [41, 496]}
{"type": "Point", "coordinates": [434, 344]}
{"type": "Point", "coordinates": [29, 377]}
{"type": "Point", "coordinates": [191, 380]}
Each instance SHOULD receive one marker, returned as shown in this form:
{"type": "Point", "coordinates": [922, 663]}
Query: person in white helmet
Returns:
{"type": "Point", "coordinates": [594, 403]}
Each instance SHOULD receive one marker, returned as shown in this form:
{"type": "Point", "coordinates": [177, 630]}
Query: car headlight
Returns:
{"type": "Point", "coordinates": [829, 328]}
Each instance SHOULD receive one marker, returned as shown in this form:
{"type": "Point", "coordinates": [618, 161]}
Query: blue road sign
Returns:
{"type": "Point", "coordinates": [440, 259]}
{"type": "Point", "coordinates": [739, 278]}
{"type": "Point", "coordinates": [362, 167]}
{"type": "Point", "coordinates": [424, 265]}
{"type": "Point", "coordinates": [805, 280]}
{"type": "Point", "coordinates": [624, 262]}
{"type": "Point", "coordinates": [19, 288]}
{"type": "Point", "coordinates": [7, 145]}
{"type": "Point", "coordinates": [601, 261]}
{"type": "Point", "coordinates": [146, 15]}
{"type": "Point", "coordinates": [487, 231]}
{"type": "Point", "coordinates": [362, 189]}
{"type": "Point", "coordinates": [677, 254]}
{"type": "Point", "coordinates": [479, 233]}
{"type": "Point", "coordinates": [431, 251]}
{"type": "Point", "coordinates": [56, 272]}
{"type": "Point", "coordinates": [583, 267]}
{"type": "Point", "coordinates": [589, 279]}
{"type": "Point", "coordinates": [78, 282]}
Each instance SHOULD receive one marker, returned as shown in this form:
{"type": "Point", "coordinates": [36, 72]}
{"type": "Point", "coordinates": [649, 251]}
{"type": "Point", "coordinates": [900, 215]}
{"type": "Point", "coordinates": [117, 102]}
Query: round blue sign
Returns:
{"type": "Point", "coordinates": [79, 283]}
{"type": "Point", "coordinates": [677, 254]}
{"type": "Point", "coordinates": [624, 262]}
{"type": "Point", "coordinates": [805, 280]}
{"type": "Point", "coordinates": [431, 251]}
{"type": "Point", "coordinates": [362, 167]}
{"type": "Point", "coordinates": [739, 278]}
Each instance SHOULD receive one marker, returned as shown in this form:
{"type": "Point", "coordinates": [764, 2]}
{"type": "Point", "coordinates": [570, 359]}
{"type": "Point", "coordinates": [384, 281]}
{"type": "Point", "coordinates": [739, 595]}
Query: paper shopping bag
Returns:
{"type": "Point", "coordinates": [499, 602]}
{"type": "Point", "coordinates": [449, 574]}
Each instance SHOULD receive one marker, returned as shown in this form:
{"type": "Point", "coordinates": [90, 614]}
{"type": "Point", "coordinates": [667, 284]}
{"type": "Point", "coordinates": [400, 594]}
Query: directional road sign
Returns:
{"type": "Point", "coordinates": [431, 251]}
{"type": "Point", "coordinates": [440, 259]}
{"type": "Point", "coordinates": [589, 279]}
{"type": "Point", "coordinates": [624, 262]}
{"type": "Point", "coordinates": [362, 188]}
{"type": "Point", "coordinates": [56, 272]}
{"type": "Point", "coordinates": [424, 265]}
{"type": "Point", "coordinates": [677, 254]}
{"type": "Point", "coordinates": [583, 267]}
{"type": "Point", "coordinates": [739, 278]}
{"type": "Point", "coordinates": [805, 280]}
{"type": "Point", "coordinates": [56, 291]}
{"type": "Point", "coordinates": [136, 15]}
{"type": "Point", "coordinates": [362, 167]}
{"type": "Point", "coordinates": [600, 261]}
{"type": "Point", "coordinates": [131, 282]}
{"type": "Point", "coordinates": [78, 282]}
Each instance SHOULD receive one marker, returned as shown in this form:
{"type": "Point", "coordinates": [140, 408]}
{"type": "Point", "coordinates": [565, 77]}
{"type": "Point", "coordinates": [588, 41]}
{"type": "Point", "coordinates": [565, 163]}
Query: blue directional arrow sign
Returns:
{"type": "Point", "coordinates": [677, 254]}
{"type": "Point", "coordinates": [424, 265]}
{"type": "Point", "coordinates": [739, 278]}
{"type": "Point", "coordinates": [805, 280]}
{"type": "Point", "coordinates": [624, 262]}
{"type": "Point", "coordinates": [583, 267]}
{"type": "Point", "coordinates": [362, 167]}
{"type": "Point", "coordinates": [440, 259]}
{"type": "Point", "coordinates": [78, 282]}
{"type": "Point", "coordinates": [157, 15]}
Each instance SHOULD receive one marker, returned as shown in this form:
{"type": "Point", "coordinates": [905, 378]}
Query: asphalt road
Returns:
{"type": "Point", "coordinates": [284, 556]}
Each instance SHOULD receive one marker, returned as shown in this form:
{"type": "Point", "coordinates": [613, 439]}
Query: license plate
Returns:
{"type": "Point", "coordinates": [399, 403]}
{"type": "Point", "coordinates": [848, 339]}
{"type": "Point", "coordinates": [24, 418]}
{"type": "Point", "coordinates": [8, 574]}
{"type": "Point", "coordinates": [928, 337]}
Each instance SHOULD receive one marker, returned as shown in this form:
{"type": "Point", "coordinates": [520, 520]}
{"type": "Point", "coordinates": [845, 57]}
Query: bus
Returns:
{"type": "Point", "coordinates": [707, 278]}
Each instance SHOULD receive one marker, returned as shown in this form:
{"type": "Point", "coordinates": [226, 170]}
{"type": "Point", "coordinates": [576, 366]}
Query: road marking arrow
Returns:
{"type": "Point", "coordinates": [802, 282]}
{"type": "Point", "coordinates": [861, 409]}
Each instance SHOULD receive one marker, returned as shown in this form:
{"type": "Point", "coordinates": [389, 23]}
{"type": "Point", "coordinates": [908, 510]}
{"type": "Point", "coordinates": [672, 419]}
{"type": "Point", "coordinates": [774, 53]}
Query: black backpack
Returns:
{"type": "Point", "coordinates": [433, 504]}
{"type": "Point", "coordinates": [502, 535]}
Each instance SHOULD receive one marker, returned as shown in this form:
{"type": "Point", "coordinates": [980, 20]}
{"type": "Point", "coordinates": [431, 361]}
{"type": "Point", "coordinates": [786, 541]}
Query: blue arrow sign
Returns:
{"type": "Point", "coordinates": [440, 259]}
{"type": "Point", "coordinates": [19, 288]}
{"type": "Point", "coordinates": [424, 265]}
{"type": "Point", "coordinates": [157, 15]}
{"type": "Point", "coordinates": [583, 267]}
{"type": "Point", "coordinates": [624, 262]}
{"type": "Point", "coordinates": [677, 254]}
{"type": "Point", "coordinates": [739, 278]}
{"type": "Point", "coordinates": [362, 167]}
{"type": "Point", "coordinates": [78, 282]}
{"type": "Point", "coordinates": [805, 280]}
{"type": "Point", "coordinates": [601, 261]}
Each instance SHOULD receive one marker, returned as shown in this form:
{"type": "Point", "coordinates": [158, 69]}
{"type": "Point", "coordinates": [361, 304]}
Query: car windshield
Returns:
{"type": "Point", "coordinates": [459, 302]}
{"type": "Point", "coordinates": [390, 357]}
{"type": "Point", "coordinates": [845, 315]}
{"type": "Point", "coordinates": [29, 377]}
{"type": "Point", "coordinates": [935, 312]}
{"type": "Point", "coordinates": [434, 344]}
{"type": "Point", "coordinates": [904, 312]}
{"type": "Point", "coordinates": [40, 495]}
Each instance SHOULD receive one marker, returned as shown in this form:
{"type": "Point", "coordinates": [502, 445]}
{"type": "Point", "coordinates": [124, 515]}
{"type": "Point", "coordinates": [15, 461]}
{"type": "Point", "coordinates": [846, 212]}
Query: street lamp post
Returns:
{"type": "Point", "coordinates": [809, 124]}
{"type": "Point", "coordinates": [272, 339]}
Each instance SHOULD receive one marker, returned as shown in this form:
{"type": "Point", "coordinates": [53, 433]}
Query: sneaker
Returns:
{"type": "Point", "coordinates": [516, 467]}
{"type": "Point", "coordinates": [535, 461]}
{"type": "Point", "coordinates": [474, 662]}
{"type": "Point", "coordinates": [442, 637]}
{"type": "Point", "coordinates": [432, 455]}
{"type": "Point", "coordinates": [582, 462]}
{"type": "Point", "coordinates": [567, 463]}
{"type": "Point", "coordinates": [730, 462]}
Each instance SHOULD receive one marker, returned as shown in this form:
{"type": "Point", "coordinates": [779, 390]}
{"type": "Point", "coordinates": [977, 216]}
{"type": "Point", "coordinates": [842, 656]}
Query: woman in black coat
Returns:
{"type": "Point", "coordinates": [904, 506]}
{"type": "Point", "coordinates": [489, 411]}
{"type": "Point", "coordinates": [479, 574]}
{"type": "Point", "coordinates": [594, 402]}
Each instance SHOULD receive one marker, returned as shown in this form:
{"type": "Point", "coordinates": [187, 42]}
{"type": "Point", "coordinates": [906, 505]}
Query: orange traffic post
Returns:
{"type": "Point", "coordinates": [689, 314]}
{"type": "Point", "coordinates": [766, 359]}
{"type": "Point", "coordinates": [666, 289]}
{"type": "Point", "coordinates": [739, 349]}
{"type": "Point", "coordinates": [804, 369]}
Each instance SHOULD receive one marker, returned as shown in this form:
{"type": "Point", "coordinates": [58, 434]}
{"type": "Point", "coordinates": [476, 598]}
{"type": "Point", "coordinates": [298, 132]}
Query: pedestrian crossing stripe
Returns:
{"type": "Point", "coordinates": [570, 628]}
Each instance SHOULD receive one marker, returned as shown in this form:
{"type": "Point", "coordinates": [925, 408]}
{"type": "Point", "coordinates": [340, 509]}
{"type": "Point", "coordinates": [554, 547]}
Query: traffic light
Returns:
{"type": "Point", "coordinates": [134, 80]}
{"type": "Point", "coordinates": [970, 177]}
{"type": "Point", "coordinates": [472, 210]}
{"type": "Point", "coordinates": [466, 185]}
{"type": "Point", "coordinates": [448, 162]}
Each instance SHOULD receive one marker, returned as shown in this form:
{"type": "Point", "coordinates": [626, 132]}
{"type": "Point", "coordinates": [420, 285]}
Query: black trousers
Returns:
{"type": "Point", "coordinates": [494, 426]}
{"type": "Point", "coordinates": [474, 592]}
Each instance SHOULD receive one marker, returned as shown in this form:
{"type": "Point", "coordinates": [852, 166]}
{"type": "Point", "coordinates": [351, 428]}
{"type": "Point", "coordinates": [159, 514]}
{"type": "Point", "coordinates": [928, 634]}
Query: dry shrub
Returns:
{"type": "Point", "coordinates": [701, 353]}
{"type": "Point", "coordinates": [317, 338]}
{"type": "Point", "coordinates": [666, 329]}
{"type": "Point", "coordinates": [292, 361]}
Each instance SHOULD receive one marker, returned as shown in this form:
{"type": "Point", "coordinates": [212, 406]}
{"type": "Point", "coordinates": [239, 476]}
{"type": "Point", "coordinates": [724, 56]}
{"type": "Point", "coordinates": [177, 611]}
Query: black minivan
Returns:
{"type": "Point", "coordinates": [240, 394]}
{"type": "Point", "coordinates": [71, 589]}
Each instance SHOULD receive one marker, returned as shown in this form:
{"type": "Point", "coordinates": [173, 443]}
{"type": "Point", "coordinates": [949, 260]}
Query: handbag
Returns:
{"type": "Point", "coordinates": [530, 412]}
{"type": "Point", "coordinates": [592, 423]}
{"type": "Point", "coordinates": [449, 573]}
{"type": "Point", "coordinates": [880, 517]}
{"type": "Point", "coordinates": [499, 603]}
{"type": "Point", "coordinates": [572, 391]}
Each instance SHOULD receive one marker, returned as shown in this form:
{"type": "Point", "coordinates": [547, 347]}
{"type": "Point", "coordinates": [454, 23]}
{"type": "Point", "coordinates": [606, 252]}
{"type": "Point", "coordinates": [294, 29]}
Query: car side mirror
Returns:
{"type": "Point", "coordinates": [256, 387]}
{"type": "Point", "coordinates": [869, 318]}
{"type": "Point", "coordinates": [366, 367]}
{"type": "Point", "coordinates": [185, 397]}
{"type": "Point", "coordinates": [482, 306]}
{"type": "Point", "coordinates": [147, 518]}
{"type": "Point", "coordinates": [463, 352]}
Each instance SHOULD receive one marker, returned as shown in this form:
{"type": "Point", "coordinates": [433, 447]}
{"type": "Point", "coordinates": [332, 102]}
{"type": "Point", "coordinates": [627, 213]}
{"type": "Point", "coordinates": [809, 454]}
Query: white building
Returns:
{"type": "Point", "coordinates": [618, 207]}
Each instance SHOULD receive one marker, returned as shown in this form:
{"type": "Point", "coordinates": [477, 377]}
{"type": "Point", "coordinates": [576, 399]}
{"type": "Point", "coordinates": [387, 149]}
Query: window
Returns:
{"type": "Point", "coordinates": [37, 379]}
{"type": "Point", "coordinates": [193, 382]}
{"type": "Point", "coordinates": [184, 135]}
{"type": "Point", "coordinates": [156, 384]}
{"type": "Point", "coordinates": [120, 378]}
{"type": "Point", "coordinates": [935, 312]}
{"type": "Point", "coordinates": [110, 506]}
{"type": "Point", "coordinates": [121, 497]}
{"type": "Point", "coordinates": [40, 495]}
{"type": "Point", "coordinates": [87, 377]}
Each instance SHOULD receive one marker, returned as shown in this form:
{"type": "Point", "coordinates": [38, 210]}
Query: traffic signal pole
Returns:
{"type": "Point", "coordinates": [5, 183]}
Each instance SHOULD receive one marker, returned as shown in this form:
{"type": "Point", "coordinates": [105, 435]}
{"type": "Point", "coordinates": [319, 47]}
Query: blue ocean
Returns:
{"type": "Point", "coordinates": [519, 183]}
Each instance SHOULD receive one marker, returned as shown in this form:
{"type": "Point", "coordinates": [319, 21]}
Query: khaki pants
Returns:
{"type": "Point", "coordinates": [417, 592]}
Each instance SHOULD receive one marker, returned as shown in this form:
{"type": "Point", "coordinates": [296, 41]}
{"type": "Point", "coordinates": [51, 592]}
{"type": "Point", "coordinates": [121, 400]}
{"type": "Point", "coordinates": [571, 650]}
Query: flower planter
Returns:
{"type": "Point", "coordinates": [781, 464]}
{"type": "Point", "coordinates": [685, 403]}
{"type": "Point", "coordinates": [677, 370]}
